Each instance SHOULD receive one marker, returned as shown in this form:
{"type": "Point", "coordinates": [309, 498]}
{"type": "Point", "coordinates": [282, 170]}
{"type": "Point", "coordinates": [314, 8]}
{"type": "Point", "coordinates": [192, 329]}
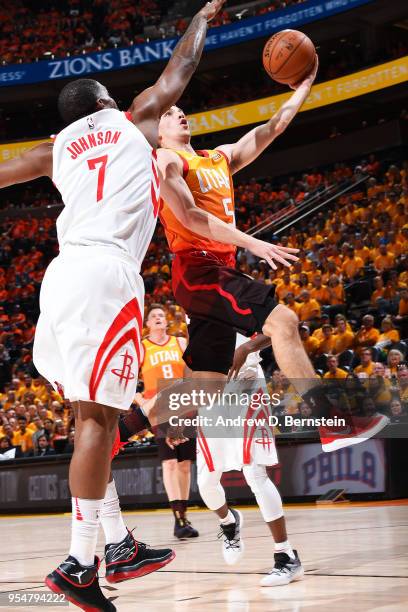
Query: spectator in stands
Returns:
{"type": "Point", "coordinates": [389, 335]}
{"type": "Point", "coordinates": [352, 265]}
{"type": "Point", "coordinates": [291, 303]}
{"type": "Point", "coordinates": [44, 449]}
{"type": "Point", "coordinates": [310, 343]}
{"type": "Point", "coordinates": [366, 367]}
{"type": "Point", "coordinates": [309, 311]}
{"type": "Point", "coordinates": [367, 335]}
{"type": "Point", "coordinates": [385, 260]}
{"type": "Point", "coordinates": [333, 369]}
{"type": "Point", "coordinates": [394, 360]}
{"type": "Point", "coordinates": [328, 341]}
{"type": "Point", "coordinates": [403, 304]}
{"type": "Point", "coordinates": [344, 338]}
{"type": "Point", "coordinates": [23, 436]}
{"type": "Point", "coordinates": [398, 414]}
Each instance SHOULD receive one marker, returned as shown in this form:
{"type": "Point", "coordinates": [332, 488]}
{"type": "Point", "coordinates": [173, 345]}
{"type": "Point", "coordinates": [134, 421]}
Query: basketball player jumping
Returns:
{"type": "Point", "coordinates": [162, 359]}
{"type": "Point", "coordinates": [87, 337]}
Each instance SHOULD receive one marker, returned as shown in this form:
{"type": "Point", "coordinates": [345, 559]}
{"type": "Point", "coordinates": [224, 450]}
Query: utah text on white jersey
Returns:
{"type": "Point", "coordinates": [107, 175]}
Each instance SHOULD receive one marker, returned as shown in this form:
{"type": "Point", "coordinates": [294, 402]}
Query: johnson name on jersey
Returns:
{"type": "Point", "coordinates": [107, 175]}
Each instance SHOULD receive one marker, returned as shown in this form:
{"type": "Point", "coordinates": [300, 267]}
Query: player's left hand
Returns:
{"type": "Point", "coordinates": [240, 356]}
{"type": "Point", "coordinates": [274, 253]}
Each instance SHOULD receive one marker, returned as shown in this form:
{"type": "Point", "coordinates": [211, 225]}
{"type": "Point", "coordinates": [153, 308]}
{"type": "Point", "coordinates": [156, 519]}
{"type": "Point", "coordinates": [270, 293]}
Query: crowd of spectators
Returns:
{"type": "Point", "coordinates": [57, 29]}
{"type": "Point", "coordinates": [349, 290]}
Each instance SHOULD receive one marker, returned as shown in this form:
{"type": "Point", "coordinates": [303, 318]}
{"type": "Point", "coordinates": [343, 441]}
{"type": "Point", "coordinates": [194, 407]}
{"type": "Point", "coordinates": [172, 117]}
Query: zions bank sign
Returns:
{"type": "Point", "coordinates": [161, 50]}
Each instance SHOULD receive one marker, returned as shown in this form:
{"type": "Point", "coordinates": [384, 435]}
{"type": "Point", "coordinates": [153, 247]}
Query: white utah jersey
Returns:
{"type": "Point", "coordinates": [107, 175]}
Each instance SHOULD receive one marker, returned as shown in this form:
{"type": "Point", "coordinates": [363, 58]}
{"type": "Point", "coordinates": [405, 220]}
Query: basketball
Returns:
{"type": "Point", "coordinates": [288, 56]}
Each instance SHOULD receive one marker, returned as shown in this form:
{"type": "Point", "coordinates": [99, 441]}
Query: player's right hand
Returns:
{"type": "Point", "coordinates": [274, 253]}
{"type": "Point", "coordinates": [211, 9]}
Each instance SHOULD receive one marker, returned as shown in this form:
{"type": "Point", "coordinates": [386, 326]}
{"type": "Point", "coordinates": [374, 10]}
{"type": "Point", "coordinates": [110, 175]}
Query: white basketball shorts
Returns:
{"type": "Point", "coordinates": [231, 448]}
{"type": "Point", "coordinates": [87, 340]}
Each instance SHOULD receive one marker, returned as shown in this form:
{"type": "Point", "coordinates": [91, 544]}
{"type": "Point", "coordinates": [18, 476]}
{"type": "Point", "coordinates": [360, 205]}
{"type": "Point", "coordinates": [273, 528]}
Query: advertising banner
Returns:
{"type": "Point", "coordinates": [159, 50]}
{"type": "Point", "coordinates": [323, 94]}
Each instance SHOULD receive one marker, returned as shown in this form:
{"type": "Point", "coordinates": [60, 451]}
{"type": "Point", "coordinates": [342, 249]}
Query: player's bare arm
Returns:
{"type": "Point", "coordinates": [30, 165]}
{"type": "Point", "coordinates": [175, 191]}
{"type": "Point", "coordinates": [258, 343]}
{"type": "Point", "coordinates": [147, 107]}
{"type": "Point", "coordinates": [250, 146]}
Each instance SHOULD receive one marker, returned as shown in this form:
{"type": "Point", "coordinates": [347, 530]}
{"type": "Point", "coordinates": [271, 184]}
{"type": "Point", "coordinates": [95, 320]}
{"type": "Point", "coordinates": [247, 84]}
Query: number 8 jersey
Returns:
{"type": "Point", "coordinates": [107, 175]}
{"type": "Point", "coordinates": [161, 362]}
{"type": "Point", "coordinates": [208, 177]}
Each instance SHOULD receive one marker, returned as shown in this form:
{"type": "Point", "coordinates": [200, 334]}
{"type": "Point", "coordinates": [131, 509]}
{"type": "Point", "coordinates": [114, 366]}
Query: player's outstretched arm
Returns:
{"type": "Point", "coordinates": [177, 195]}
{"type": "Point", "coordinates": [30, 165]}
{"type": "Point", "coordinates": [148, 107]}
{"type": "Point", "coordinates": [250, 146]}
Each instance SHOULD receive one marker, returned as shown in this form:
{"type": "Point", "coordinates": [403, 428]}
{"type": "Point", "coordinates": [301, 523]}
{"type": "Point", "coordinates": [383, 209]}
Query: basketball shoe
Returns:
{"type": "Point", "coordinates": [284, 571]}
{"type": "Point", "coordinates": [184, 529]}
{"type": "Point", "coordinates": [232, 544]}
{"type": "Point", "coordinates": [356, 430]}
{"type": "Point", "coordinates": [132, 559]}
{"type": "Point", "coordinates": [80, 585]}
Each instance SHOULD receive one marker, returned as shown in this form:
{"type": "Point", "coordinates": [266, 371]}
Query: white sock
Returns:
{"type": "Point", "coordinates": [230, 518]}
{"type": "Point", "coordinates": [284, 547]}
{"type": "Point", "coordinates": [111, 516]}
{"type": "Point", "coordinates": [85, 525]}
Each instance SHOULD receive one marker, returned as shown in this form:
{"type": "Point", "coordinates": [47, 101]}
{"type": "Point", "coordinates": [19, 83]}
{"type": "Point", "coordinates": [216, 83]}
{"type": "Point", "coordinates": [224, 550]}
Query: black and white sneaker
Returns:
{"type": "Point", "coordinates": [133, 559]}
{"type": "Point", "coordinates": [232, 544]}
{"type": "Point", "coordinates": [285, 570]}
{"type": "Point", "coordinates": [80, 585]}
{"type": "Point", "coordinates": [183, 529]}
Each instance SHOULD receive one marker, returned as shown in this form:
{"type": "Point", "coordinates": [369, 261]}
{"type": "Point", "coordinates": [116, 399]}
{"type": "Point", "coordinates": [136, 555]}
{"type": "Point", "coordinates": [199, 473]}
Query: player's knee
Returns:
{"type": "Point", "coordinates": [282, 320]}
{"type": "Point", "coordinates": [184, 466]}
{"type": "Point", "coordinates": [256, 477]}
{"type": "Point", "coordinates": [207, 480]}
{"type": "Point", "coordinates": [170, 465]}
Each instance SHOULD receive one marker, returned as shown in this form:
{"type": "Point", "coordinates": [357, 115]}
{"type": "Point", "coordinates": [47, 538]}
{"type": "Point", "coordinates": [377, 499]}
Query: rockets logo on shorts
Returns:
{"type": "Point", "coordinates": [125, 373]}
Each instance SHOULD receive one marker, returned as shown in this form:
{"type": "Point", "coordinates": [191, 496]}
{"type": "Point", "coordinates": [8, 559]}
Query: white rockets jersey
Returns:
{"type": "Point", "coordinates": [107, 175]}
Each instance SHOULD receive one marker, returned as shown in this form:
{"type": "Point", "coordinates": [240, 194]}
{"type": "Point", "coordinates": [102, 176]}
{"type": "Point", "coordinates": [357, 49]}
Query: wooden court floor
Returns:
{"type": "Point", "coordinates": [355, 557]}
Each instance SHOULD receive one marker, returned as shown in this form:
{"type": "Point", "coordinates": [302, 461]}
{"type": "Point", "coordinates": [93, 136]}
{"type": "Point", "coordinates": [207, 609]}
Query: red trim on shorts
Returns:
{"type": "Point", "coordinates": [130, 311]}
{"type": "Point", "coordinates": [205, 450]}
{"type": "Point", "coordinates": [220, 290]}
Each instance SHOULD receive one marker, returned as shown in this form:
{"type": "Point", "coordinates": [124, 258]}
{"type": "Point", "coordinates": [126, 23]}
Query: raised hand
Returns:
{"type": "Point", "coordinates": [211, 9]}
{"type": "Point", "coordinates": [310, 78]}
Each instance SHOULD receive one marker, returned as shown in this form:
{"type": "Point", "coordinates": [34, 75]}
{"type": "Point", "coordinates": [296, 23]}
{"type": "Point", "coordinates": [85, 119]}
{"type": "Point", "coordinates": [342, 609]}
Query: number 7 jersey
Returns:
{"type": "Point", "coordinates": [208, 177]}
{"type": "Point", "coordinates": [106, 172]}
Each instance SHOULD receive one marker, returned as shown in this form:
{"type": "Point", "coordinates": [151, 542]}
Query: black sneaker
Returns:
{"type": "Point", "coordinates": [285, 570]}
{"type": "Point", "coordinates": [80, 585]}
{"type": "Point", "coordinates": [183, 529]}
{"type": "Point", "coordinates": [133, 559]}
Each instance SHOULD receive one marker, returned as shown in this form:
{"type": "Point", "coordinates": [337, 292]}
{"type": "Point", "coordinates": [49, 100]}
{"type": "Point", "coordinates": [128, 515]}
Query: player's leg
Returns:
{"type": "Point", "coordinates": [231, 520]}
{"type": "Point", "coordinates": [287, 566]}
{"type": "Point", "coordinates": [172, 486]}
{"type": "Point", "coordinates": [282, 326]}
{"type": "Point", "coordinates": [186, 454]}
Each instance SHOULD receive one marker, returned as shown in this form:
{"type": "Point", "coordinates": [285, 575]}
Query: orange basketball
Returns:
{"type": "Point", "coordinates": [288, 56]}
